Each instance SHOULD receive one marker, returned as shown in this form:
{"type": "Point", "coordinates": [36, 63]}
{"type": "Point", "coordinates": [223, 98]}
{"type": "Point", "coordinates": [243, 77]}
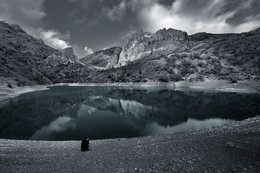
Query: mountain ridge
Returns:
{"type": "Point", "coordinates": [193, 57]}
{"type": "Point", "coordinates": [166, 55]}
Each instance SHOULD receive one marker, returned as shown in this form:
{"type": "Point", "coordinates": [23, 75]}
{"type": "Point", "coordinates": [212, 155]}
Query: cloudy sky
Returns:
{"type": "Point", "coordinates": [90, 25]}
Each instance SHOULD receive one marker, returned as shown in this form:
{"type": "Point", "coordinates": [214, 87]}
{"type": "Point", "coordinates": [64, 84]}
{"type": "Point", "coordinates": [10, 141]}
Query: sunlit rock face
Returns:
{"type": "Point", "coordinates": [62, 57]}
{"type": "Point", "coordinates": [103, 59]}
{"type": "Point", "coordinates": [143, 44]}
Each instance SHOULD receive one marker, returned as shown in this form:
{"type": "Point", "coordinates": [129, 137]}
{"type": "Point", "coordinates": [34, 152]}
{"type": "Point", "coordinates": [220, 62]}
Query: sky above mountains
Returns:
{"type": "Point", "coordinates": [90, 25]}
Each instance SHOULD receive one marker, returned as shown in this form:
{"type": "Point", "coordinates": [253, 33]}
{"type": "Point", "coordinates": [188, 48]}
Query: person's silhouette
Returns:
{"type": "Point", "coordinates": [84, 144]}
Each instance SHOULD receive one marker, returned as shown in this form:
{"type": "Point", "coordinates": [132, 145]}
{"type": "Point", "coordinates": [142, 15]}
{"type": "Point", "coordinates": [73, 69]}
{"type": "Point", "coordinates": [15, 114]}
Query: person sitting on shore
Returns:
{"type": "Point", "coordinates": [85, 144]}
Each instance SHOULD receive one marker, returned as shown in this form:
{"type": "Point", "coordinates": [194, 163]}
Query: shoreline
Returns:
{"type": "Point", "coordinates": [208, 85]}
{"type": "Point", "coordinates": [232, 147]}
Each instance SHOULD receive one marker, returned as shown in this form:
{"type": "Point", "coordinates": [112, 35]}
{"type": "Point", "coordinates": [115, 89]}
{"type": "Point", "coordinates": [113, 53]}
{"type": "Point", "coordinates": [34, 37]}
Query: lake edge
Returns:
{"type": "Point", "coordinates": [208, 85]}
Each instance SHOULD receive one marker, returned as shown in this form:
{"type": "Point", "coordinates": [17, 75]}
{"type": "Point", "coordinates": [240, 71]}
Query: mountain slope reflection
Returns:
{"type": "Point", "coordinates": [65, 113]}
{"type": "Point", "coordinates": [129, 108]}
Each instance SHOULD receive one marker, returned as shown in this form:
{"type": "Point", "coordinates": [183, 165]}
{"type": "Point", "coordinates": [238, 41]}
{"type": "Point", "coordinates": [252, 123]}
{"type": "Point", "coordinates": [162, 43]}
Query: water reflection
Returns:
{"type": "Point", "coordinates": [66, 113]}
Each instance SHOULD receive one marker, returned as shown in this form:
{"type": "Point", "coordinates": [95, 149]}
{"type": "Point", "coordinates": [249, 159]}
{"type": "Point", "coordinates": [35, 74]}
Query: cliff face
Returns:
{"type": "Point", "coordinates": [143, 44]}
{"type": "Point", "coordinates": [103, 59]}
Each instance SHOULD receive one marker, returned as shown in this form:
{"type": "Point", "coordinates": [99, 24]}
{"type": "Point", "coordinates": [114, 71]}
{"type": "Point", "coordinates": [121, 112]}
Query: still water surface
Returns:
{"type": "Point", "coordinates": [72, 112]}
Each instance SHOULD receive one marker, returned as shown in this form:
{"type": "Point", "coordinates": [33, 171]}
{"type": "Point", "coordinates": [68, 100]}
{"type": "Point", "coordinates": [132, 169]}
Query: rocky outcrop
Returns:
{"type": "Point", "coordinates": [64, 56]}
{"type": "Point", "coordinates": [104, 59]}
{"type": "Point", "coordinates": [143, 44]}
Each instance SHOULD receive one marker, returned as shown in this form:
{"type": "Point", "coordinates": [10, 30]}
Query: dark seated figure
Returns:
{"type": "Point", "coordinates": [84, 144]}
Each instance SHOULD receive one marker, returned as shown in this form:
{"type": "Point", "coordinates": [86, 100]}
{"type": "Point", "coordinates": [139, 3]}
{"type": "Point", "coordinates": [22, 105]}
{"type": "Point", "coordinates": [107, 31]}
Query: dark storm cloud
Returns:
{"type": "Point", "coordinates": [166, 2]}
{"type": "Point", "coordinates": [28, 11]}
{"type": "Point", "coordinates": [89, 25]}
{"type": "Point", "coordinates": [247, 11]}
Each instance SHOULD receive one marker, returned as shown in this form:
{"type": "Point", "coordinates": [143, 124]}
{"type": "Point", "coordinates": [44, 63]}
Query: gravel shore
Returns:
{"type": "Point", "coordinates": [233, 147]}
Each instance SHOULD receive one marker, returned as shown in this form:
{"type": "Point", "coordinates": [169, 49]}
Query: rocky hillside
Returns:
{"type": "Point", "coordinates": [167, 55]}
{"type": "Point", "coordinates": [172, 55]}
{"type": "Point", "coordinates": [143, 44]}
{"type": "Point", "coordinates": [25, 60]}
{"type": "Point", "coordinates": [64, 56]}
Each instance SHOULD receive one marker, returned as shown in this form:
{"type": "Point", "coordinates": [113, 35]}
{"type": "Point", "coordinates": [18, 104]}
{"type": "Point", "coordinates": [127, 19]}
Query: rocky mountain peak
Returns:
{"type": "Point", "coordinates": [21, 56]}
{"type": "Point", "coordinates": [104, 59]}
{"type": "Point", "coordinates": [136, 36]}
{"type": "Point", "coordinates": [141, 44]}
{"type": "Point", "coordinates": [69, 53]}
{"type": "Point", "coordinates": [62, 57]}
{"type": "Point", "coordinates": [171, 34]}
{"type": "Point", "coordinates": [110, 51]}
{"type": "Point", "coordinates": [15, 39]}
{"type": "Point", "coordinates": [256, 31]}
{"type": "Point", "coordinates": [10, 28]}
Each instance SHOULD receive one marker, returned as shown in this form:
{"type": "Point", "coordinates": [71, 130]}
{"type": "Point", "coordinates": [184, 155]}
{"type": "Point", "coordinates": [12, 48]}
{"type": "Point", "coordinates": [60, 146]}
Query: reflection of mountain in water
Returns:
{"type": "Point", "coordinates": [168, 107]}
{"type": "Point", "coordinates": [21, 117]}
{"type": "Point", "coordinates": [129, 108]}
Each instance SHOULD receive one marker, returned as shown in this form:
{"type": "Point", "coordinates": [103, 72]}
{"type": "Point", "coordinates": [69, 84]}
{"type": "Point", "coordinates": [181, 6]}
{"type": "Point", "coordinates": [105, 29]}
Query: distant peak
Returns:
{"type": "Point", "coordinates": [169, 30]}
{"type": "Point", "coordinates": [256, 30]}
{"type": "Point", "coordinates": [69, 49]}
{"type": "Point", "coordinates": [11, 27]}
{"type": "Point", "coordinates": [172, 33]}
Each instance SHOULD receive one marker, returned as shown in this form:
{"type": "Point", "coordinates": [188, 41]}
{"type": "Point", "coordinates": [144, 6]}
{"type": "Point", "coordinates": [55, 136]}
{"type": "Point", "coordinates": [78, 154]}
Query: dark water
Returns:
{"type": "Point", "coordinates": [70, 113]}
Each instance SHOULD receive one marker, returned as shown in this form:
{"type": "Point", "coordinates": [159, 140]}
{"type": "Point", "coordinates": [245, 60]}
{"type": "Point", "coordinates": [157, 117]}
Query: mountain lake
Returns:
{"type": "Point", "coordinates": [102, 112]}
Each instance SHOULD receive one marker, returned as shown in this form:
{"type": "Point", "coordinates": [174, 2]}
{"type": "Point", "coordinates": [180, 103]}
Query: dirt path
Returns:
{"type": "Point", "coordinates": [229, 148]}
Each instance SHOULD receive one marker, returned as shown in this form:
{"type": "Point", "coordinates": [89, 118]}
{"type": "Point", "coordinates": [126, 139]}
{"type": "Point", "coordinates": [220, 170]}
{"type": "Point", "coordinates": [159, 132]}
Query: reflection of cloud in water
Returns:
{"type": "Point", "coordinates": [191, 124]}
{"type": "Point", "coordinates": [84, 109]}
{"type": "Point", "coordinates": [58, 125]}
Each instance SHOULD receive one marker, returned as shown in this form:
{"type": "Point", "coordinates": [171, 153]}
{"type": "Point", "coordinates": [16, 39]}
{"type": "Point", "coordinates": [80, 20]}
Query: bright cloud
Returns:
{"type": "Point", "coordinates": [209, 18]}
{"type": "Point", "coordinates": [29, 14]}
{"type": "Point", "coordinates": [88, 50]}
{"type": "Point", "coordinates": [52, 39]}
